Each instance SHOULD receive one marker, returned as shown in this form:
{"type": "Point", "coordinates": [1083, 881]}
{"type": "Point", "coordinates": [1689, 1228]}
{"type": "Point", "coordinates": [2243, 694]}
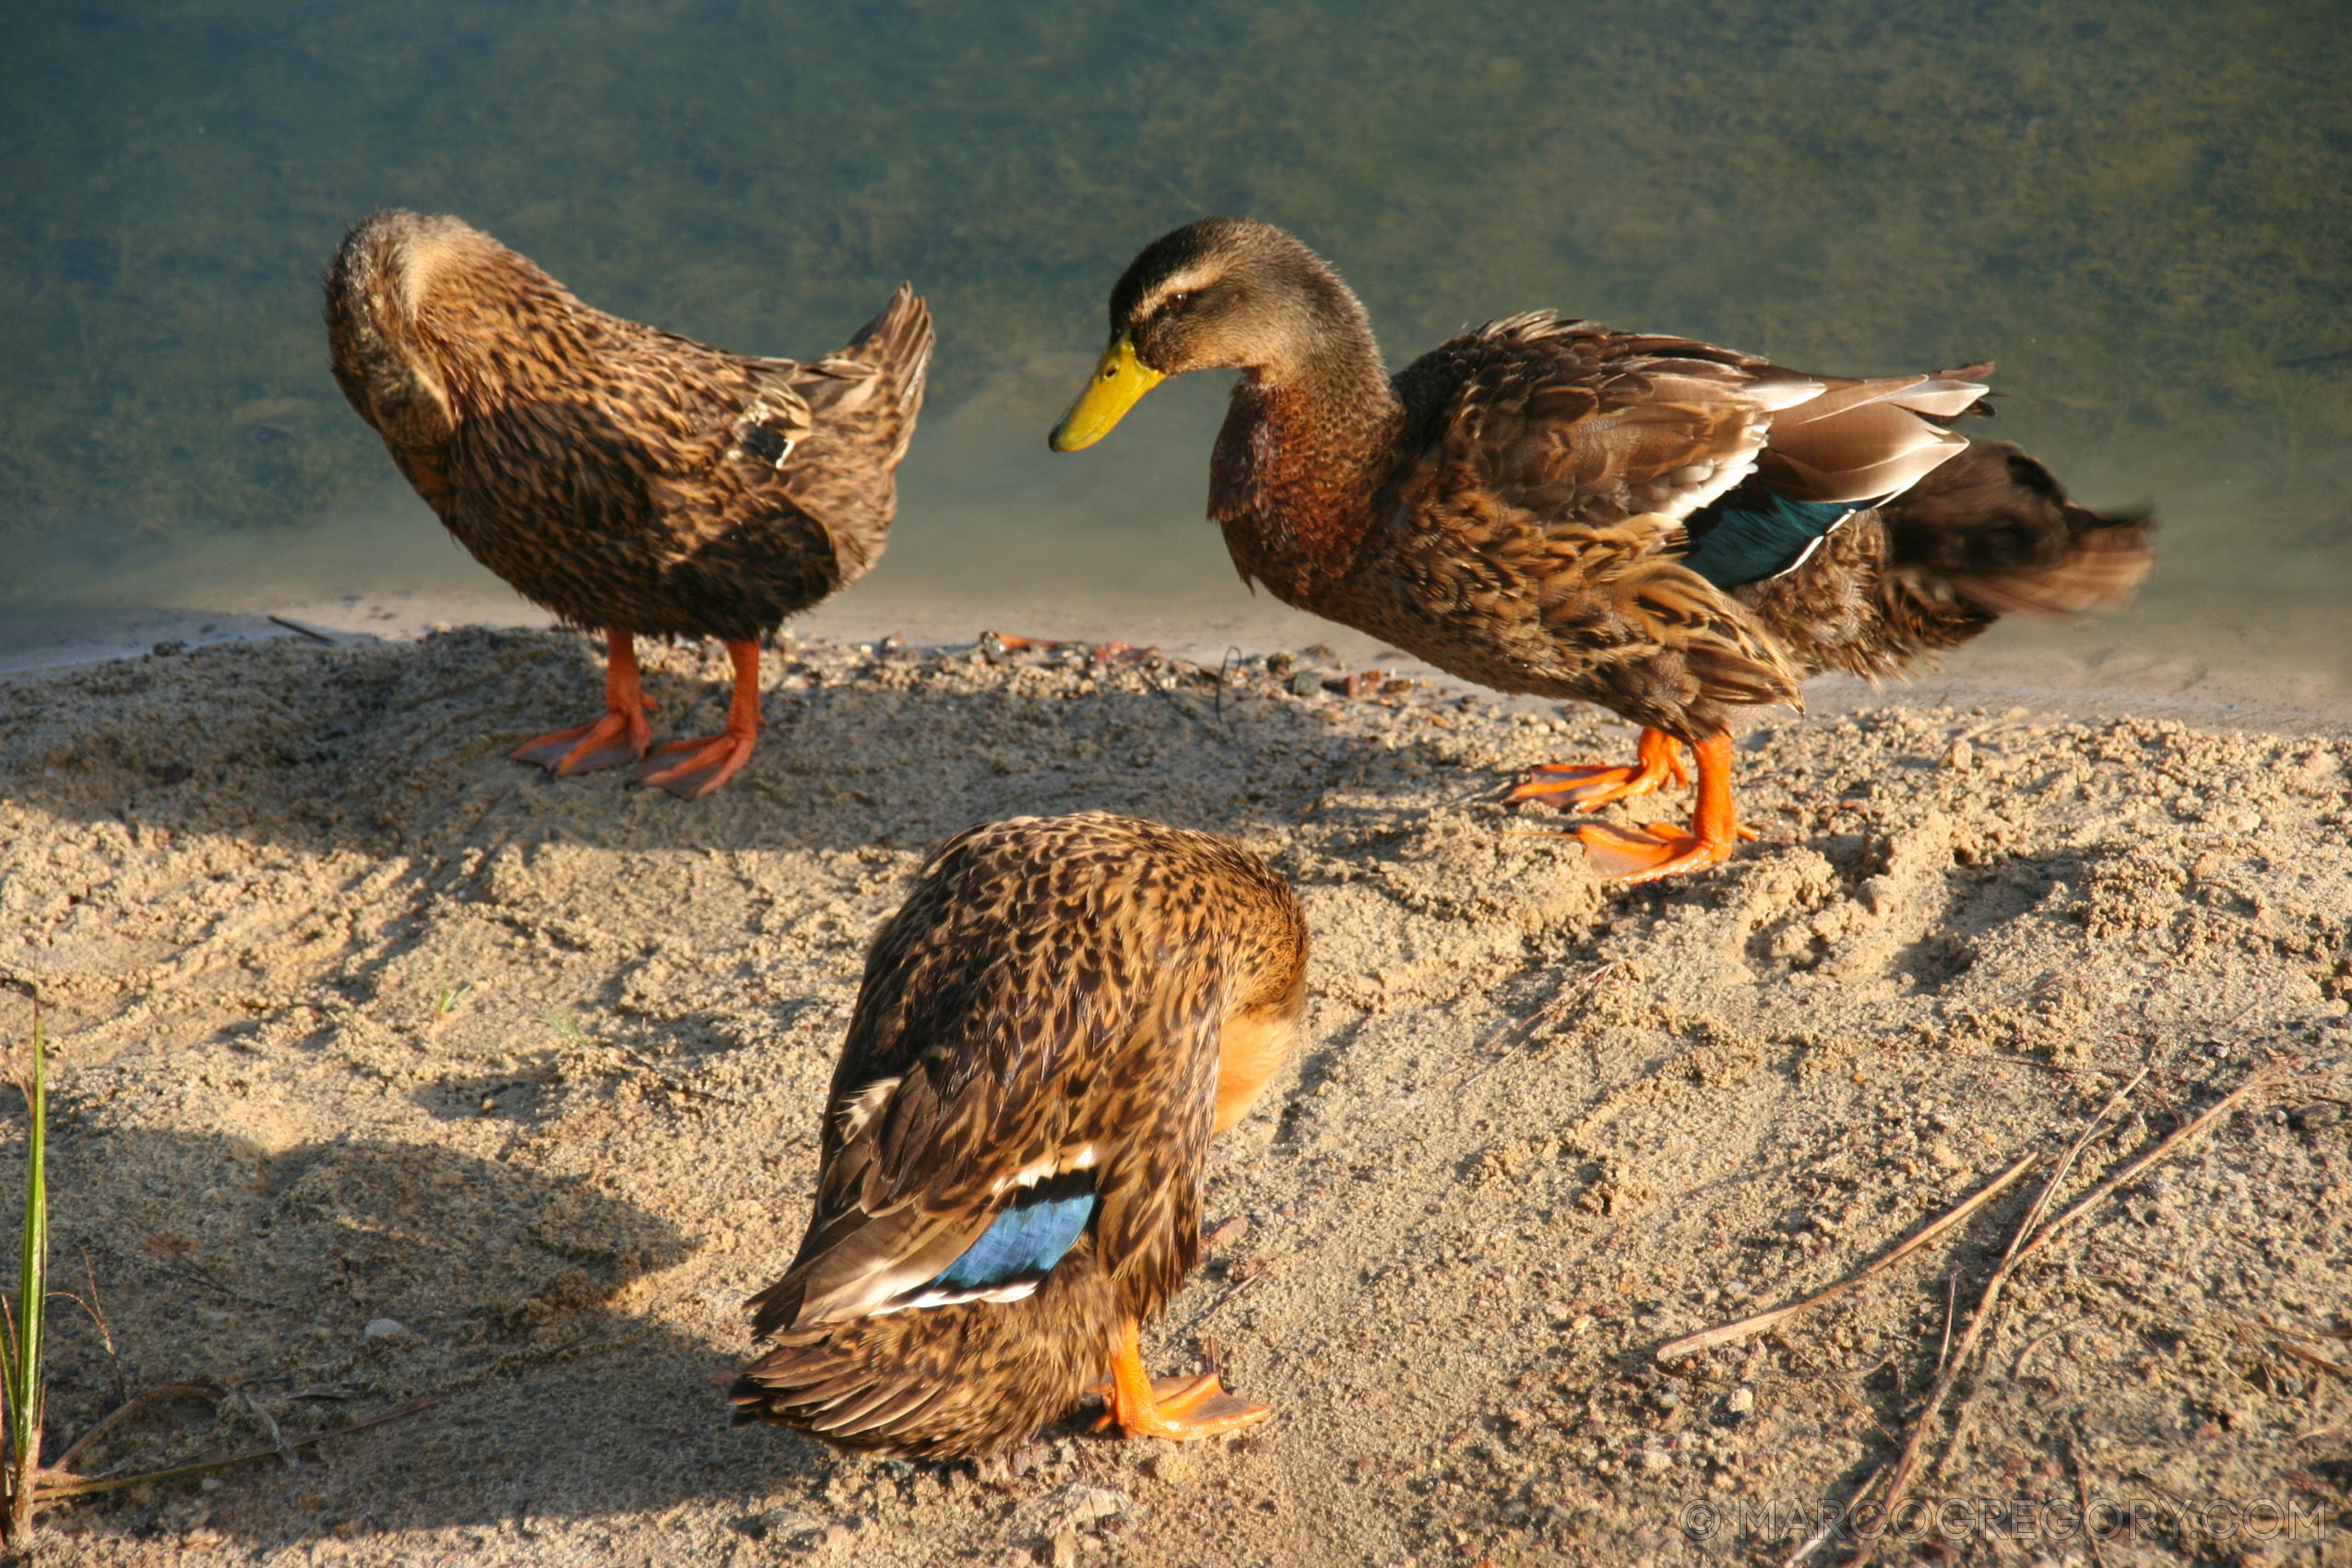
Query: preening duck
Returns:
{"type": "Point", "coordinates": [1660, 527]}
{"type": "Point", "coordinates": [1052, 1028]}
{"type": "Point", "coordinates": [631, 480]}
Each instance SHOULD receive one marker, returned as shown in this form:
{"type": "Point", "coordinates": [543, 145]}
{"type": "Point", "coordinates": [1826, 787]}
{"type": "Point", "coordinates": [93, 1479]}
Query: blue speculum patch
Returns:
{"type": "Point", "coordinates": [1754, 533]}
{"type": "Point", "coordinates": [1036, 1229]}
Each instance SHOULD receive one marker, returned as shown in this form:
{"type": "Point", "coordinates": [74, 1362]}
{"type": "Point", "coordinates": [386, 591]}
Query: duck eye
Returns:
{"type": "Point", "coordinates": [1180, 297]}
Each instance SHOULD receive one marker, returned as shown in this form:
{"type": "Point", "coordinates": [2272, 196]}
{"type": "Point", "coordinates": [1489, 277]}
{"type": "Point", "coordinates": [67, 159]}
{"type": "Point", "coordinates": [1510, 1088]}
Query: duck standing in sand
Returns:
{"type": "Point", "coordinates": [1660, 527]}
{"type": "Point", "coordinates": [1052, 1028]}
{"type": "Point", "coordinates": [631, 480]}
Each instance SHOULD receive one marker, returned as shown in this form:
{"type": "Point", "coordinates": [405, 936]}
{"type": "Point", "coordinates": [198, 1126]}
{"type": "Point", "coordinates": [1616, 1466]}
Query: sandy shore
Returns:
{"type": "Point", "coordinates": [387, 1068]}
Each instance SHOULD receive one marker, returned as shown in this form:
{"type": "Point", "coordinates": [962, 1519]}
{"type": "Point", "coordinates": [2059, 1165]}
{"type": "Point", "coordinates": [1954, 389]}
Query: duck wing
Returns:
{"type": "Point", "coordinates": [1537, 522]}
{"type": "Point", "coordinates": [1034, 1052]}
{"type": "Point", "coordinates": [780, 471]}
{"type": "Point", "coordinates": [1586, 424]}
{"type": "Point", "coordinates": [864, 402]}
{"type": "Point", "coordinates": [1581, 425]}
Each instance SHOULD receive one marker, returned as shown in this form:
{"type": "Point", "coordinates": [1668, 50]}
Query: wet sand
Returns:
{"type": "Point", "coordinates": [389, 1068]}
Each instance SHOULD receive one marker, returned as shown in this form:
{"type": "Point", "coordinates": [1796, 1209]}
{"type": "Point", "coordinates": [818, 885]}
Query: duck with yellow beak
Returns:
{"type": "Point", "coordinates": [1655, 525]}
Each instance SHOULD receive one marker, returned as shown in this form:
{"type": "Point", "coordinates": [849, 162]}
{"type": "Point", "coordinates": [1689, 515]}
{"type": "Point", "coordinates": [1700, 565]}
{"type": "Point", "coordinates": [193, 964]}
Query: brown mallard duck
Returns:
{"type": "Point", "coordinates": [631, 480]}
{"type": "Point", "coordinates": [1052, 1028]}
{"type": "Point", "coordinates": [1660, 527]}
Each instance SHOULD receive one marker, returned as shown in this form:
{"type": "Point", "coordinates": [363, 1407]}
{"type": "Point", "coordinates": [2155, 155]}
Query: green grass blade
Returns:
{"type": "Point", "coordinates": [24, 1370]}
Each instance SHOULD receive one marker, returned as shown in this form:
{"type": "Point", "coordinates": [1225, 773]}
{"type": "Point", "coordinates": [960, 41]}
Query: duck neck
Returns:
{"type": "Point", "coordinates": [1298, 463]}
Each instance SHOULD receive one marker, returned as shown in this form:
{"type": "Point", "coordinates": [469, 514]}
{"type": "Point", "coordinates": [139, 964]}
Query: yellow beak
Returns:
{"type": "Point", "coordinates": [1117, 383]}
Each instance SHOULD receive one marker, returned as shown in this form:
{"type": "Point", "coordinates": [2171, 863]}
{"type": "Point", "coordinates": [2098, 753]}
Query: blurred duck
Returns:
{"type": "Point", "coordinates": [1656, 526]}
{"type": "Point", "coordinates": [632, 481]}
{"type": "Point", "coordinates": [1052, 1028]}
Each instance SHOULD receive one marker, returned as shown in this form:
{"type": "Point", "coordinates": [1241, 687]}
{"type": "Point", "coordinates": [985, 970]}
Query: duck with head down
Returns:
{"type": "Point", "coordinates": [629, 479]}
{"type": "Point", "coordinates": [1052, 1028]}
{"type": "Point", "coordinates": [1655, 525]}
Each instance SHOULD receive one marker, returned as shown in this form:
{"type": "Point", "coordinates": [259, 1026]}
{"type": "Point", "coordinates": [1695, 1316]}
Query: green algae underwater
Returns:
{"type": "Point", "coordinates": [2143, 213]}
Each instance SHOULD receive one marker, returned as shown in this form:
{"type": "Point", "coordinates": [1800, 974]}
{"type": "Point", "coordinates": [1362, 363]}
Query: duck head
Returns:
{"type": "Point", "coordinates": [426, 316]}
{"type": "Point", "coordinates": [1222, 293]}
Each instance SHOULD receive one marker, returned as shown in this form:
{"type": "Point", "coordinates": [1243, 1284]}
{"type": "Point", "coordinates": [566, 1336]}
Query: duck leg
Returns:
{"type": "Point", "coordinates": [1634, 854]}
{"type": "Point", "coordinates": [621, 735]}
{"type": "Point", "coordinates": [1587, 787]}
{"type": "Point", "coordinates": [1178, 1408]}
{"type": "Point", "coordinates": [707, 761]}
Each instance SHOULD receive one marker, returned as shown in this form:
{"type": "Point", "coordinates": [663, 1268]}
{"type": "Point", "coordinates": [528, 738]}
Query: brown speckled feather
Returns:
{"type": "Point", "coordinates": [617, 475]}
{"type": "Point", "coordinates": [1051, 1000]}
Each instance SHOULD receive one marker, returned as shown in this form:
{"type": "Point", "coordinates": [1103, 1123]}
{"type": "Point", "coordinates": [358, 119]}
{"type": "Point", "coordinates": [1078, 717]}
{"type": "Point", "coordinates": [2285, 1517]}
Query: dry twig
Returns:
{"type": "Point", "coordinates": [2133, 1171]}
{"type": "Point", "coordinates": [96, 1309]}
{"type": "Point", "coordinates": [122, 1412]}
{"type": "Point", "coordinates": [1813, 1542]}
{"type": "Point", "coordinates": [2287, 1340]}
{"type": "Point", "coordinates": [1762, 1322]}
{"type": "Point", "coordinates": [1908, 1463]}
{"type": "Point", "coordinates": [2017, 1368]}
{"type": "Point", "coordinates": [113, 1483]}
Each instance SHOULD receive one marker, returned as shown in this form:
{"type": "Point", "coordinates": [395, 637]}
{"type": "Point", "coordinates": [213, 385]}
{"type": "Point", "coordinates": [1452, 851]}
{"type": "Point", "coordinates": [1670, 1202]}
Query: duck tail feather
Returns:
{"type": "Point", "coordinates": [2098, 571]}
{"type": "Point", "coordinates": [1995, 527]}
{"type": "Point", "coordinates": [898, 342]}
{"type": "Point", "coordinates": [953, 1381]}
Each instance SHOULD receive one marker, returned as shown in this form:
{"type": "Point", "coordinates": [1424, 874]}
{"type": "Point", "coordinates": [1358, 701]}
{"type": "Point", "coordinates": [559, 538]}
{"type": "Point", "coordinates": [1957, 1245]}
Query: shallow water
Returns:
{"type": "Point", "coordinates": [2142, 212]}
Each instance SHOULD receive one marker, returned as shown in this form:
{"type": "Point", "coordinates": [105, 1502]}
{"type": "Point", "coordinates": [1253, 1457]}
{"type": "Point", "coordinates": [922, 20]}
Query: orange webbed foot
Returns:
{"type": "Point", "coordinates": [699, 766]}
{"type": "Point", "coordinates": [1179, 1410]}
{"type": "Point", "coordinates": [1182, 1410]}
{"type": "Point", "coordinates": [1661, 850]}
{"type": "Point", "coordinates": [621, 735]}
{"type": "Point", "coordinates": [706, 762]}
{"type": "Point", "coordinates": [1587, 787]}
{"type": "Point", "coordinates": [612, 739]}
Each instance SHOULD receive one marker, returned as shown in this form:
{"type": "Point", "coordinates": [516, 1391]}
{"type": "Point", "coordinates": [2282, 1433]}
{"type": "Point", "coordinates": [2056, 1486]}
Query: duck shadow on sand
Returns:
{"type": "Point", "coordinates": [332, 1281]}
